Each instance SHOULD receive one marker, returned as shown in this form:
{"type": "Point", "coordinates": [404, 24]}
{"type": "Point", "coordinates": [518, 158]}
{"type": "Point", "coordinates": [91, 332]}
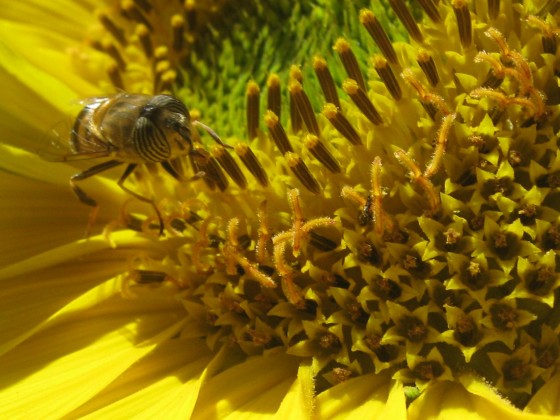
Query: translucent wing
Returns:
{"type": "Point", "coordinates": [74, 139]}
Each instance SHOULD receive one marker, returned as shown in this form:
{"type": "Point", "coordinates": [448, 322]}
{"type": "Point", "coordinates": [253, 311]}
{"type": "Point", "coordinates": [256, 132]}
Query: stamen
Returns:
{"type": "Point", "coordinates": [253, 104]}
{"type": "Point", "coordinates": [229, 165]}
{"type": "Point", "coordinates": [349, 193]}
{"type": "Point", "coordinates": [274, 97]}
{"type": "Point", "coordinates": [132, 11]}
{"type": "Point", "coordinates": [110, 26]}
{"type": "Point", "coordinates": [321, 153]}
{"type": "Point", "coordinates": [115, 76]}
{"type": "Point", "coordinates": [198, 247]}
{"type": "Point", "coordinates": [215, 173]}
{"type": "Point", "coordinates": [167, 80]}
{"type": "Point", "coordinates": [381, 222]}
{"type": "Point", "coordinates": [426, 63]}
{"type": "Point", "coordinates": [114, 53]}
{"type": "Point", "coordinates": [419, 179]}
{"type": "Point", "coordinates": [430, 8]}
{"type": "Point", "coordinates": [375, 30]}
{"type": "Point", "coordinates": [431, 101]}
{"type": "Point", "coordinates": [387, 76]}
{"type": "Point", "coordinates": [493, 9]}
{"type": "Point", "coordinates": [295, 117]}
{"type": "Point", "coordinates": [342, 47]}
{"type": "Point", "coordinates": [148, 276]}
{"type": "Point", "coordinates": [145, 38]}
{"type": "Point", "coordinates": [251, 163]}
{"type": "Point", "coordinates": [178, 25]}
{"type": "Point", "coordinates": [362, 101]}
{"type": "Point", "coordinates": [293, 197]}
{"type": "Point", "coordinates": [325, 80]}
{"type": "Point", "coordinates": [144, 4]}
{"type": "Point", "coordinates": [292, 292]}
{"type": "Point", "coordinates": [232, 252]}
{"type": "Point", "coordinates": [441, 143]}
{"type": "Point", "coordinates": [190, 12]}
{"type": "Point", "coordinates": [549, 33]}
{"type": "Point", "coordinates": [301, 171]}
{"type": "Point", "coordinates": [161, 53]}
{"type": "Point", "coordinates": [304, 106]}
{"type": "Point", "coordinates": [342, 125]}
{"type": "Point", "coordinates": [277, 132]}
{"type": "Point", "coordinates": [402, 12]}
{"type": "Point", "coordinates": [264, 234]}
{"type": "Point", "coordinates": [463, 16]}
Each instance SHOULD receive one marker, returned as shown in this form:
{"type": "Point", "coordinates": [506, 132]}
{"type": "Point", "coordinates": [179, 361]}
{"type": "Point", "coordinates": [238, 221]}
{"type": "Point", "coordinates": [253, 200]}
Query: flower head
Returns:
{"type": "Point", "coordinates": [375, 228]}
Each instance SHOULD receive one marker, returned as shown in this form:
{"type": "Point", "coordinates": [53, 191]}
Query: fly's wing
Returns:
{"type": "Point", "coordinates": [74, 140]}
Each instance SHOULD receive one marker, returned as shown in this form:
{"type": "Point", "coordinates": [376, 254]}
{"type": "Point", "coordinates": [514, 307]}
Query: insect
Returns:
{"type": "Point", "coordinates": [130, 129]}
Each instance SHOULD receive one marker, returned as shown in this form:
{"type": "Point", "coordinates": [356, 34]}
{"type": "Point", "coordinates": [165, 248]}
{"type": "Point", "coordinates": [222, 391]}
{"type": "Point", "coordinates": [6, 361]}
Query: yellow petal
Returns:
{"type": "Point", "coordinates": [472, 399]}
{"type": "Point", "coordinates": [60, 369]}
{"type": "Point", "coordinates": [367, 396]}
{"type": "Point", "coordinates": [255, 386]}
{"type": "Point", "coordinates": [165, 384]}
{"type": "Point", "coordinates": [546, 401]}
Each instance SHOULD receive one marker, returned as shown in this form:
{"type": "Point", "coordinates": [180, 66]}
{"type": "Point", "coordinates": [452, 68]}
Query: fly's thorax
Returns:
{"type": "Point", "coordinates": [143, 128]}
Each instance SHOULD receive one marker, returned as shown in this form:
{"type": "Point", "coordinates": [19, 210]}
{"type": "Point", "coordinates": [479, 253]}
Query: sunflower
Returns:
{"type": "Point", "coordinates": [376, 232]}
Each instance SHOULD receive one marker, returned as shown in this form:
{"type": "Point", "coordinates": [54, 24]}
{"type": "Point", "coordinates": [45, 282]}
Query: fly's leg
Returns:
{"type": "Point", "coordinates": [129, 169]}
{"type": "Point", "coordinates": [82, 195]}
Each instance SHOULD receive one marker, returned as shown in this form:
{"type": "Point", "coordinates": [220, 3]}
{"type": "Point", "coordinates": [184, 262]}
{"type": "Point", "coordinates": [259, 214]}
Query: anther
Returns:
{"type": "Point", "coordinates": [362, 101]}
{"type": "Point", "coordinates": [166, 81]}
{"type": "Point", "coordinates": [374, 28]}
{"type": "Point", "coordinates": [301, 171]}
{"type": "Point", "coordinates": [110, 26]}
{"type": "Point", "coordinates": [387, 76]}
{"type": "Point", "coordinates": [463, 16]}
{"type": "Point", "coordinates": [215, 174]}
{"type": "Point", "coordinates": [493, 9]}
{"type": "Point", "coordinates": [251, 163]}
{"type": "Point", "coordinates": [178, 25]}
{"type": "Point", "coordinates": [430, 8]}
{"type": "Point", "coordinates": [253, 96]}
{"type": "Point", "coordinates": [441, 143]}
{"type": "Point", "coordinates": [132, 11]}
{"type": "Point", "coordinates": [325, 80]}
{"type": "Point", "coordinates": [341, 124]}
{"type": "Point", "coordinates": [426, 63]}
{"type": "Point", "coordinates": [295, 117]}
{"type": "Point", "coordinates": [402, 12]}
{"type": "Point", "coordinates": [145, 5]}
{"type": "Point", "coordinates": [274, 98]}
{"type": "Point", "coordinates": [321, 153]}
{"type": "Point", "coordinates": [143, 34]}
{"type": "Point", "coordinates": [342, 47]}
{"type": "Point", "coordinates": [161, 53]}
{"type": "Point", "coordinates": [115, 76]}
{"type": "Point", "coordinates": [229, 165]}
{"type": "Point", "coordinates": [114, 53]}
{"type": "Point", "coordinates": [190, 12]}
{"type": "Point", "coordinates": [304, 106]}
{"type": "Point", "coordinates": [277, 132]}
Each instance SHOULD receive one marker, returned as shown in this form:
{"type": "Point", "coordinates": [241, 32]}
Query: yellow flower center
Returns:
{"type": "Point", "coordinates": [415, 214]}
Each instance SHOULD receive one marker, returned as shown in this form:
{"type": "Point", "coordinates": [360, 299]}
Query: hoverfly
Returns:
{"type": "Point", "coordinates": [129, 129]}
